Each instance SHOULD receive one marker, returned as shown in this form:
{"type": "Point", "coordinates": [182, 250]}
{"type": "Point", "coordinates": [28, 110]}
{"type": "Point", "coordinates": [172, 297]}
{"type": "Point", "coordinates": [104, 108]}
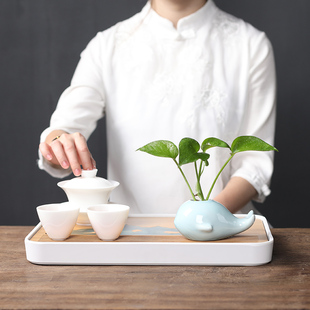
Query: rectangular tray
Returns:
{"type": "Point", "coordinates": [151, 240]}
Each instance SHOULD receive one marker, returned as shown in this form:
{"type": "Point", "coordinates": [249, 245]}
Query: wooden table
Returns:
{"type": "Point", "coordinates": [282, 284]}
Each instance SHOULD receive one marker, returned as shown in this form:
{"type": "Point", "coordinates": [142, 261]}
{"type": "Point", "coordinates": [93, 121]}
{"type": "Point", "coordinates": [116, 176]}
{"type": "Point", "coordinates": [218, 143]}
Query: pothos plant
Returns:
{"type": "Point", "coordinates": [190, 151]}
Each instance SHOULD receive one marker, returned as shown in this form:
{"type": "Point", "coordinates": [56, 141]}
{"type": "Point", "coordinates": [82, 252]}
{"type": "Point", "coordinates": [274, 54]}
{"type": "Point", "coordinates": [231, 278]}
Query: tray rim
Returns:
{"type": "Point", "coordinates": [267, 245]}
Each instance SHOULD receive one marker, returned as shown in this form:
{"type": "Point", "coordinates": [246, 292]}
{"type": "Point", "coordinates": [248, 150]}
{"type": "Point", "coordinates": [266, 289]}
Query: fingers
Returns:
{"type": "Point", "coordinates": [93, 162]}
{"type": "Point", "coordinates": [83, 152]}
{"type": "Point", "coordinates": [46, 151]}
{"type": "Point", "coordinates": [62, 151]}
{"type": "Point", "coordinates": [70, 150]}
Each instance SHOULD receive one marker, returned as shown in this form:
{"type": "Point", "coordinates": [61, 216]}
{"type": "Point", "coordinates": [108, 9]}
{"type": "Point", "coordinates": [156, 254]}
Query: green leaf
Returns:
{"type": "Point", "coordinates": [161, 148]}
{"type": "Point", "coordinates": [188, 149]}
{"type": "Point", "coordinates": [250, 143]}
{"type": "Point", "coordinates": [213, 142]}
{"type": "Point", "coordinates": [204, 157]}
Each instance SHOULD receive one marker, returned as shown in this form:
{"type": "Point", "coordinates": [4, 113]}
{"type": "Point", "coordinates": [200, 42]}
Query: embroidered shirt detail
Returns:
{"type": "Point", "coordinates": [226, 27]}
{"type": "Point", "coordinates": [214, 99]}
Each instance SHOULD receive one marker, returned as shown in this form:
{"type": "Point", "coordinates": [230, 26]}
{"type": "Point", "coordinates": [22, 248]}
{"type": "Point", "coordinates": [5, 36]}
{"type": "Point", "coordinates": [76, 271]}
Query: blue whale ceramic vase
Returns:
{"type": "Point", "coordinates": [209, 220]}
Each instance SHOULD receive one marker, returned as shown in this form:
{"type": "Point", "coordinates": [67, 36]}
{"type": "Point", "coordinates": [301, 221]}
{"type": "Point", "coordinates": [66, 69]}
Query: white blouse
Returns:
{"type": "Point", "coordinates": [212, 76]}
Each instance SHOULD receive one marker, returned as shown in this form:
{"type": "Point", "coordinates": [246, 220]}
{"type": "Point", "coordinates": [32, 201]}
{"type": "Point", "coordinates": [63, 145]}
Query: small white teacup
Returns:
{"type": "Point", "coordinates": [58, 219]}
{"type": "Point", "coordinates": [108, 220]}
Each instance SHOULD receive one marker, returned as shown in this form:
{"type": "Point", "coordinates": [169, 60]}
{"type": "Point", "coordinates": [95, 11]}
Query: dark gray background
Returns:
{"type": "Point", "coordinates": [40, 44]}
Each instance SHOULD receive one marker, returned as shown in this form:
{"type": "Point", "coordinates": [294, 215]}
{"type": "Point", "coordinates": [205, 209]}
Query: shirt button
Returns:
{"type": "Point", "coordinates": [187, 34]}
{"type": "Point", "coordinates": [178, 37]}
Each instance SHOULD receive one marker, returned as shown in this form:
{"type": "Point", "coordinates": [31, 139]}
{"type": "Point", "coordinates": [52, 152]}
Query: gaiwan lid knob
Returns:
{"type": "Point", "coordinates": [87, 180]}
{"type": "Point", "coordinates": [89, 173]}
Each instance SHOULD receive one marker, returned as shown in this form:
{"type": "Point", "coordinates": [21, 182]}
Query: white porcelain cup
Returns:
{"type": "Point", "coordinates": [58, 219]}
{"type": "Point", "coordinates": [108, 220]}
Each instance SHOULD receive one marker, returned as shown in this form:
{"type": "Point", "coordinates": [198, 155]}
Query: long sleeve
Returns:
{"type": "Point", "coordinates": [81, 105]}
{"type": "Point", "coordinates": [259, 118]}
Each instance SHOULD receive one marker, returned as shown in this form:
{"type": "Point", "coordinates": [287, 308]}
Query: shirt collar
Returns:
{"type": "Point", "coordinates": [187, 26]}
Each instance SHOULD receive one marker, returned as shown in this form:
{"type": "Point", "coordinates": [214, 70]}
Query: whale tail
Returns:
{"type": "Point", "coordinates": [247, 221]}
{"type": "Point", "coordinates": [250, 214]}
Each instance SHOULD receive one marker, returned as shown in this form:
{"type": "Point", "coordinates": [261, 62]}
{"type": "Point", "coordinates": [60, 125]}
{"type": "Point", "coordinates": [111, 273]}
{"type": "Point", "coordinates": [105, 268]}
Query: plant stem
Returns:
{"type": "Point", "coordinates": [194, 198]}
{"type": "Point", "coordinates": [199, 189]}
{"type": "Point", "coordinates": [202, 168]}
{"type": "Point", "coordinates": [231, 156]}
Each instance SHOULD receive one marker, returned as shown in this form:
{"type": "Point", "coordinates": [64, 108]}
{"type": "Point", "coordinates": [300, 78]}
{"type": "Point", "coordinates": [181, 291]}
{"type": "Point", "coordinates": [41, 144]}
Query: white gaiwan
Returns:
{"type": "Point", "coordinates": [86, 190]}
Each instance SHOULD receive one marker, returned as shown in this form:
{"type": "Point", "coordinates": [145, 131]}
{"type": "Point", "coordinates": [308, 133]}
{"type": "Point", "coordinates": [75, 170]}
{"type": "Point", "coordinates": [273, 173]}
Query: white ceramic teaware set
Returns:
{"type": "Point", "coordinates": [88, 197]}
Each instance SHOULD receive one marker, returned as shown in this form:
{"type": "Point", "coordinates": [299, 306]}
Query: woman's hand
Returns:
{"type": "Point", "coordinates": [69, 150]}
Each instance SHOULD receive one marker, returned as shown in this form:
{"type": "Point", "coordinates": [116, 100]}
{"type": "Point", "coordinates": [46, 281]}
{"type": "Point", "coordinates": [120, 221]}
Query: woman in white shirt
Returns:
{"type": "Point", "coordinates": [176, 69]}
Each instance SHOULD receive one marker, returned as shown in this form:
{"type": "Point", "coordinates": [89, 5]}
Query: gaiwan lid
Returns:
{"type": "Point", "coordinates": [87, 180]}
